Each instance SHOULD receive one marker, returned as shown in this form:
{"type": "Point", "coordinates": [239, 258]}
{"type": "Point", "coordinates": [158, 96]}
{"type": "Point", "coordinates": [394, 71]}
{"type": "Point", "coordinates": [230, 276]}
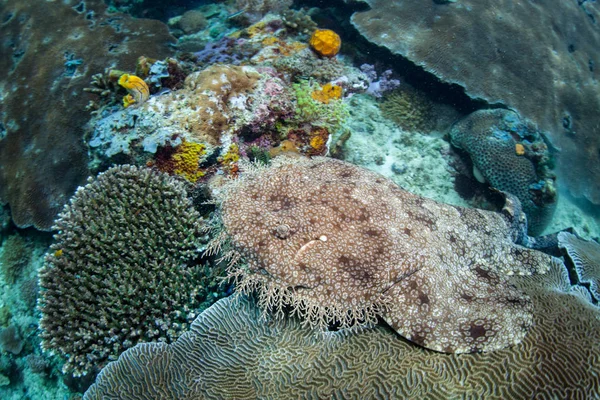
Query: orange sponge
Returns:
{"type": "Point", "coordinates": [325, 42]}
{"type": "Point", "coordinates": [137, 88]}
{"type": "Point", "coordinates": [327, 93]}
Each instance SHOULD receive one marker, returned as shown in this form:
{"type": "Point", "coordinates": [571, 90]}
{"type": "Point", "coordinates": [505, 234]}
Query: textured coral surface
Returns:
{"type": "Point", "coordinates": [538, 58]}
{"type": "Point", "coordinates": [495, 140]}
{"type": "Point", "coordinates": [341, 243]}
{"type": "Point", "coordinates": [49, 52]}
{"type": "Point", "coordinates": [586, 257]}
{"type": "Point", "coordinates": [119, 271]}
{"type": "Point", "coordinates": [232, 353]}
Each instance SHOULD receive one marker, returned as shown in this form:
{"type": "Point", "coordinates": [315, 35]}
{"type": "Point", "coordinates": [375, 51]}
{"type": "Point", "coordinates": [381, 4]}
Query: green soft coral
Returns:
{"type": "Point", "coordinates": [330, 116]}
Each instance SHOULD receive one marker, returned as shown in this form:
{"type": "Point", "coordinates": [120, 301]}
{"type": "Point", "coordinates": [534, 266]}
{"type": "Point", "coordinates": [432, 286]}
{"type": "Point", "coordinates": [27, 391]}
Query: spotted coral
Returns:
{"type": "Point", "coordinates": [124, 274]}
{"type": "Point", "coordinates": [490, 137]}
{"type": "Point", "coordinates": [325, 42]}
{"type": "Point", "coordinates": [338, 243]}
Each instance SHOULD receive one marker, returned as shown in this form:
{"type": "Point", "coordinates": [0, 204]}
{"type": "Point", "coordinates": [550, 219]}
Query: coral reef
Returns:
{"type": "Point", "coordinates": [305, 64]}
{"type": "Point", "coordinates": [10, 340]}
{"type": "Point", "coordinates": [231, 352]}
{"type": "Point", "coordinates": [256, 9]}
{"type": "Point", "coordinates": [408, 108]}
{"type": "Point", "coordinates": [491, 138]}
{"type": "Point", "coordinates": [327, 93]}
{"type": "Point", "coordinates": [586, 257]}
{"type": "Point", "coordinates": [325, 42]}
{"type": "Point", "coordinates": [183, 160]}
{"type": "Point", "coordinates": [329, 116]}
{"type": "Point", "coordinates": [338, 243]}
{"type": "Point", "coordinates": [137, 88]}
{"type": "Point", "coordinates": [15, 255]}
{"type": "Point", "coordinates": [49, 53]}
{"type": "Point", "coordinates": [200, 112]}
{"type": "Point", "coordinates": [379, 84]}
{"type": "Point", "coordinates": [298, 21]}
{"type": "Point", "coordinates": [120, 271]}
{"type": "Point", "coordinates": [540, 61]}
{"type": "Point", "coordinates": [192, 21]}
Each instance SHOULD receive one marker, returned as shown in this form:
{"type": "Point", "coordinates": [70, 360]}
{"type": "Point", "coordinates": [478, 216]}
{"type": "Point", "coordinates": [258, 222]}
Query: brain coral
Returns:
{"type": "Point", "coordinates": [538, 59]}
{"type": "Point", "coordinates": [118, 273]}
{"type": "Point", "coordinates": [586, 257]}
{"type": "Point", "coordinates": [48, 54]}
{"type": "Point", "coordinates": [231, 352]}
{"type": "Point", "coordinates": [492, 139]}
{"type": "Point", "coordinates": [342, 244]}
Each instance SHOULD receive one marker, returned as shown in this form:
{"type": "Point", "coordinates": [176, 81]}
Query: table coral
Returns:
{"type": "Point", "coordinates": [121, 270]}
{"type": "Point", "coordinates": [54, 48]}
{"type": "Point", "coordinates": [537, 59]}
{"type": "Point", "coordinates": [231, 352]}
{"type": "Point", "coordinates": [338, 243]}
{"type": "Point", "coordinates": [492, 139]}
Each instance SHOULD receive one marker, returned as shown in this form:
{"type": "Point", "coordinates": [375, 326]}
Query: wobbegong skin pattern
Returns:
{"type": "Point", "coordinates": [337, 243]}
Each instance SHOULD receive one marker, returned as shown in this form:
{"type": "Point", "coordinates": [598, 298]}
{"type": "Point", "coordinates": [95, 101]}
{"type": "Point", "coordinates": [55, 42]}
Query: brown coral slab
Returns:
{"type": "Point", "coordinates": [540, 59]}
{"type": "Point", "coordinates": [339, 239]}
{"type": "Point", "coordinates": [49, 52]}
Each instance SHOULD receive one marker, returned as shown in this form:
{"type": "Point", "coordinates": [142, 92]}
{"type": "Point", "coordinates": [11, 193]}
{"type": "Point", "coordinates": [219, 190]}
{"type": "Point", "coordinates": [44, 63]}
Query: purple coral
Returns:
{"type": "Point", "coordinates": [379, 86]}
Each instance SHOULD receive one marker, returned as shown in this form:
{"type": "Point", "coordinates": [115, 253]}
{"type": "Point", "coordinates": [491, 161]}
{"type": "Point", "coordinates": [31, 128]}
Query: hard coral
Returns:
{"type": "Point", "coordinates": [280, 359]}
{"type": "Point", "coordinates": [409, 109]}
{"type": "Point", "coordinates": [491, 137]}
{"type": "Point", "coordinates": [305, 63]}
{"type": "Point", "coordinates": [548, 70]}
{"type": "Point", "coordinates": [15, 255]}
{"type": "Point", "coordinates": [256, 9]}
{"type": "Point", "coordinates": [119, 272]}
{"type": "Point", "coordinates": [337, 243]}
{"type": "Point", "coordinates": [43, 157]}
{"type": "Point", "coordinates": [325, 42]}
{"type": "Point", "coordinates": [212, 90]}
{"type": "Point", "coordinates": [586, 257]}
